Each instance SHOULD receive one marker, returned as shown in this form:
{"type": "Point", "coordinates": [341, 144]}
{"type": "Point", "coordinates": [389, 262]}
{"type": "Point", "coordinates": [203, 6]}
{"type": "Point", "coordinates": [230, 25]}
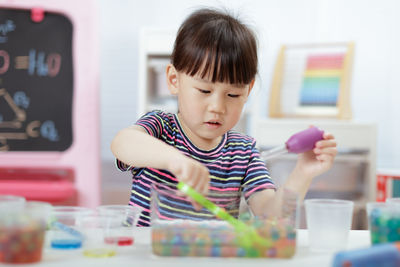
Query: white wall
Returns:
{"type": "Point", "coordinates": [374, 26]}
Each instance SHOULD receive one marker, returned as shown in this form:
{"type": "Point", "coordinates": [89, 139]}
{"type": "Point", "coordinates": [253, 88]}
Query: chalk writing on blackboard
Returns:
{"type": "Point", "coordinates": [36, 82]}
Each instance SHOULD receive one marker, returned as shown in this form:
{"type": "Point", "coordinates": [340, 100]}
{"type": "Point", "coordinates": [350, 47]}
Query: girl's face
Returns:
{"type": "Point", "coordinates": [208, 110]}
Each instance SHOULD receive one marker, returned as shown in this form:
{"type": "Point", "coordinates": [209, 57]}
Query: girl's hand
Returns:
{"type": "Point", "coordinates": [192, 173]}
{"type": "Point", "coordinates": [320, 159]}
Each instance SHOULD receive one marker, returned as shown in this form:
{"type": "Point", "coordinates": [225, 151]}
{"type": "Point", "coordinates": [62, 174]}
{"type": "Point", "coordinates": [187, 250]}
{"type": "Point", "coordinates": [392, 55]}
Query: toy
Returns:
{"type": "Point", "coordinates": [298, 143]}
{"type": "Point", "coordinates": [387, 254]}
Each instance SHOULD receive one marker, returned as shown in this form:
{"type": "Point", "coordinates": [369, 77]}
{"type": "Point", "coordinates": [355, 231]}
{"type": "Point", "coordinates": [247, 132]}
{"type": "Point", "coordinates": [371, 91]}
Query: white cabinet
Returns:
{"type": "Point", "coordinates": [353, 175]}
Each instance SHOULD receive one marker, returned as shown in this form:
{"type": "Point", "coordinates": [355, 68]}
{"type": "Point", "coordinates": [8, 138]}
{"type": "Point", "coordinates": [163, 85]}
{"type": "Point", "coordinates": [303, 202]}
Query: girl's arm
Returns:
{"type": "Point", "coordinates": [309, 165]}
{"type": "Point", "coordinates": [135, 147]}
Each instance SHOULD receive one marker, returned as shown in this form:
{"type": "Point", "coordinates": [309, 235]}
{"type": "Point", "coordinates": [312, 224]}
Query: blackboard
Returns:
{"type": "Point", "coordinates": [36, 81]}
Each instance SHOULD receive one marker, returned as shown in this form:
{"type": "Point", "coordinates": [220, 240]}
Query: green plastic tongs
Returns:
{"type": "Point", "coordinates": [247, 235]}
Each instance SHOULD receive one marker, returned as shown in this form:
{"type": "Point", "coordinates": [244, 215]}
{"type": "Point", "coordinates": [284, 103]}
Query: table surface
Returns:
{"type": "Point", "coordinates": [141, 255]}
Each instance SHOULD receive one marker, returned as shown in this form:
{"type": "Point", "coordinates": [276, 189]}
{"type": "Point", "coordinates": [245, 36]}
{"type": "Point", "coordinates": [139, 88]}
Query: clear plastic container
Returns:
{"type": "Point", "coordinates": [200, 233]}
{"type": "Point", "coordinates": [42, 209]}
{"type": "Point", "coordinates": [11, 204]}
{"type": "Point", "coordinates": [124, 234]}
{"type": "Point", "coordinates": [22, 234]}
{"type": "Point", "coordinates": [64, 224]}
{"type": "Point", "coordinates": [329, 223]}
{"type": "Point", "coordinates": [99, 235]}
{"type": "Point", "coordinates": [393, 200]}
{"type": "Point", "coordinates": [383, 222]}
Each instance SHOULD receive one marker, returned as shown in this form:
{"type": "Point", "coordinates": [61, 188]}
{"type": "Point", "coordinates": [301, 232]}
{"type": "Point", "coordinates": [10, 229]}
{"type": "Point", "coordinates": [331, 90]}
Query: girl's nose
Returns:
{"type": "Point", "coordinates": [217, 104]}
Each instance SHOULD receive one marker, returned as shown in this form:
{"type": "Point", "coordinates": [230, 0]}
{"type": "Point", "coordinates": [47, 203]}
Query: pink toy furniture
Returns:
{"type": "Point", "coordinates": [55, 160]}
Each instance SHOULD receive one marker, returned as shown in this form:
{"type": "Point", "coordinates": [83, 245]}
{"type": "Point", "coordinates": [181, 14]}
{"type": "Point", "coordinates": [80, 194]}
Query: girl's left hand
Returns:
{"type": "Point", "coordinates": [320, 159]}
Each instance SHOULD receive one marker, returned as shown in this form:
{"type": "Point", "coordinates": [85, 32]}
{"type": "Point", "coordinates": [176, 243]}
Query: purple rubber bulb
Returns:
{"type": "Point", "coordinates": [305, 140]}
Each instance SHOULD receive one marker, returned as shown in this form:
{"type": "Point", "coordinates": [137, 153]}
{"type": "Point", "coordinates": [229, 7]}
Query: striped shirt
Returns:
{"type": "Point", "coordinates": [234, 165]}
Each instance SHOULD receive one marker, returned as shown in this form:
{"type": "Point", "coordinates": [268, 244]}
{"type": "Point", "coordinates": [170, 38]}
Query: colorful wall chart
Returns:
{"type": "Point", "coordinates": [321, 80]}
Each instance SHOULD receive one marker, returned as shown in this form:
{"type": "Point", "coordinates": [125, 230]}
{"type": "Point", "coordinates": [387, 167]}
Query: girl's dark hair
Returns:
{"type": "Point", "coordinates": [215, 44]}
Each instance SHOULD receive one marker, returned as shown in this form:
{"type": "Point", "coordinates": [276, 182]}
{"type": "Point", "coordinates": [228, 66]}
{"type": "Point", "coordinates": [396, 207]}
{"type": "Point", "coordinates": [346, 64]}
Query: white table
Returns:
{"type": "Point", "coordinates": [140, 255]}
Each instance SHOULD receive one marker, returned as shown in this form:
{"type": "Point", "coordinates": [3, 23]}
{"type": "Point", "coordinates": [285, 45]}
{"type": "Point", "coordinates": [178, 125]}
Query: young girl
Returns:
{"type": "Point", "coordinates": [212, 72]}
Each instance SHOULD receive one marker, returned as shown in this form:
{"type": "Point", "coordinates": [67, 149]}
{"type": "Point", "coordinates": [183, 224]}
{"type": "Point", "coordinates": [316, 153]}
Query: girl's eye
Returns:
{"type": "Point", "coordinates": [204, 91]}
{"type": "Point", "coordinates": [233, 96]}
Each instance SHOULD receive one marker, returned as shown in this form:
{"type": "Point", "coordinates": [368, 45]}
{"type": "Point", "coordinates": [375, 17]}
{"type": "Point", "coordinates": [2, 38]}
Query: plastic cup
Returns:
{"type": "Point", "coordinates": [64, 232]}
{"type": "Point", "coordinates": [124, 234]}
{"type": "Point", "coordinates": [22, 235]}
{"type": "Point", "coordinates": [42, 209]}
{"type": "Point", "coordinates": [11, 204]}
{"type": "Point", "coordinates": [393, 200]}
{"type": "Point", "coordinates": [99, 232]}
{"type": "Point", "coordinates": [329, 223]}
{"type": "Point", "coordinates": [383, 221]}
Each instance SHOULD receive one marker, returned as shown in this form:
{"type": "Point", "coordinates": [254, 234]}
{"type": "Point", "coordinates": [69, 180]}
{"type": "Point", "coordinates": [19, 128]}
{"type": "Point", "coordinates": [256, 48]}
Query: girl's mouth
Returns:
{"type": "Point", "coordinates": [213, 124]}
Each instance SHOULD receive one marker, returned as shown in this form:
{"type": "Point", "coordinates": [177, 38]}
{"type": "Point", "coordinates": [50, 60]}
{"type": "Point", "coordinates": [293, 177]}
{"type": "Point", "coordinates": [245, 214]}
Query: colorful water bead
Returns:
{"type": "Point", "coordinates": [218, 239]}
{"type": "Point", "coordinates": [385, 226]}
{"type": "Point", "coordinates": [22, 244]}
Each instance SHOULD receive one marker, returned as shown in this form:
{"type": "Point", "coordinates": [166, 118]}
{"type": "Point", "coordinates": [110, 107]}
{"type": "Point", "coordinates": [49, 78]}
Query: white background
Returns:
{"type": "Point", "coordinates": [374, 26]}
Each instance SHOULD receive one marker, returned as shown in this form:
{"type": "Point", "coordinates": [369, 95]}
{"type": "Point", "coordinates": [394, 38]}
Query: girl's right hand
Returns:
{"type": "Point", "coordinates": [192, 173]}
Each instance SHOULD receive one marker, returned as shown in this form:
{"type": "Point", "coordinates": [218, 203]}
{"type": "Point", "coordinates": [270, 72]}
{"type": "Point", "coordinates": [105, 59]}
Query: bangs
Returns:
{"type": "Point", "coordinates": [219, 49]}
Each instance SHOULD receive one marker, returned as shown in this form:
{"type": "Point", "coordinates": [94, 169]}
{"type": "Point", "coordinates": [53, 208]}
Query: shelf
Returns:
{"type": "Point", "coordinates": [341, 157]}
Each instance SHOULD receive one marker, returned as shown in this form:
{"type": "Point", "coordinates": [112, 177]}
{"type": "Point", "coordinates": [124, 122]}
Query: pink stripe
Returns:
{"type": "Point", "coordinates": [239, 152]}
{"type": "Point", "coordinates": [223, 189]}
{"type": "Point", "coordinates": [241, 138]}
{"type": "Point", "coordinates": [146, 178]}
{"type": "Point", "coordinates": [255, 168]}
{"type": "Point", "coordinates": [159, 124]}
{"type": "Point", "coordinates": [265, 186]}
{"type": "Point", "coordinates": [162, 216]}
{"type": "Point", "coordinates": [236, 161]}
{"type": "Point", "coordinates": [149, 131]}
{"type": "Point", "coordinates": [222, 199]}
{"type": "Point", "coordinates": [333, 61]}
{"type": "Point", "coordinates": [133, 204]}
{"type": "Point", "coordinates": [256, 163]}
{"type": "Point", "coordinates": [154, 124]}
{"type": "Point", "coordinates": [143, 183]}
{"type": "Point", "coordinates": [230, 153]}
{"type": "Point", "coordinates": [164, 174]}
{"type": "Point", "coordinates": [143, 221]}
{"type": "Point", "coordinates": [227, 168]}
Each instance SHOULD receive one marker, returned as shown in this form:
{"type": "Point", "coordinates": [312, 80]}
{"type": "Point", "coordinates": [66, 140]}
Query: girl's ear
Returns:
{"type": "Point", "coordinates": [251, 86]}
{"type": "Point", "coordinates": [172, 79]}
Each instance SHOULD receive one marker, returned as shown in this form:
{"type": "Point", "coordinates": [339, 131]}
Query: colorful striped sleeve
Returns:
{"type": "Point", "coordinates": [257, 176]}
{"type": "Point", "coordinates": [153, 122]}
